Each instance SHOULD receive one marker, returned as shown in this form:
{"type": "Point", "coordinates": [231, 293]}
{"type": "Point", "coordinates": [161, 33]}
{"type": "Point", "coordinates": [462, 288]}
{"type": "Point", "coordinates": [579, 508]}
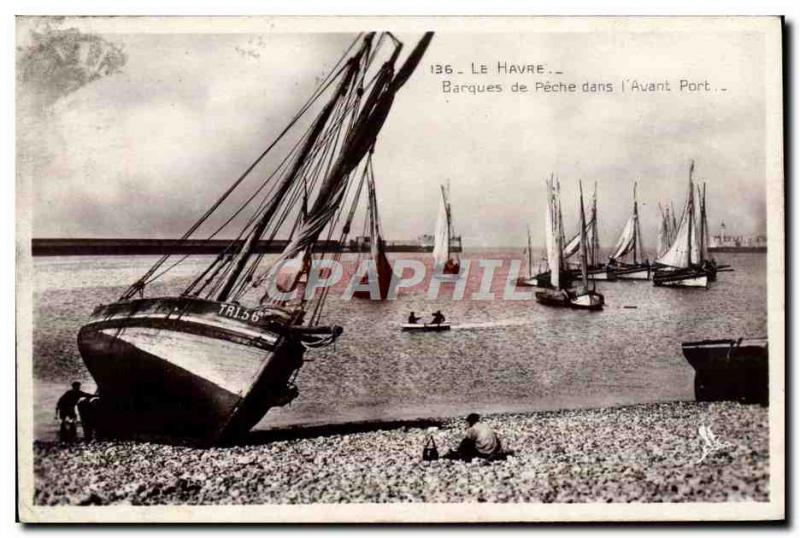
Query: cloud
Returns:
{"type": "Point", "coordinates": [144, 152]}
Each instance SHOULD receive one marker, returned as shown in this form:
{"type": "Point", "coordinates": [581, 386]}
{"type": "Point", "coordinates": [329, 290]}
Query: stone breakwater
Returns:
{"type": "Point", "coordinates": [642, 453]}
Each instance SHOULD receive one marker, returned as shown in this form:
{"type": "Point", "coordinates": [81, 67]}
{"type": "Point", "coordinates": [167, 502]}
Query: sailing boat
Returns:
{"type": "Point", "coordinates": [530, 280]}
{"type": "Point", "coordinates": [583, 297]}
{"type": "Point", "coordinates": [664, 235]}
{"type": "Point", "coordinates": [630, 244]}
{"type": "Point", "coordinates": [708, 263]}
{"type": "Point", "coordinates": [446, 265]}
{"type": "Point", "coordinates": [596, 271]}
{"type": "Point", "coordinates": [205, 365]}
{"type": "Point", "coordinates": [377, 246]}
{"type": "Point", "coordinates": [680, 265]}
{"type": "Point", "coordinates": [544, 278]}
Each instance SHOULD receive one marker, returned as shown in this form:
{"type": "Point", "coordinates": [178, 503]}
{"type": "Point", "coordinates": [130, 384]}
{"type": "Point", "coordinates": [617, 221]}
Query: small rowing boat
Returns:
{"type": "Point", "coordinates": [425, 327]}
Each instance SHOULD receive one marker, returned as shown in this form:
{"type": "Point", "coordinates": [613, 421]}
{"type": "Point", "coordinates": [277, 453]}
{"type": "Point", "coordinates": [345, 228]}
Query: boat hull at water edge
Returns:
{"type": "Point", "coordinates": [594, 273]}
{"type": "Point", "coordinates": [681, 278]}
{"type": "Point", "coordinates": [589, 300]}
{"type": "Point", "coordinates": [188, 370]}
{"type": "Point", "coordinates": [564, 299]}
{"type": "Point", "coordinates": [542, 280]}
{"type": "Point", "coordinates": [558, 298]}
{"type": "Point", "coordinates": [528, 282]}
{"type": "Point", "coordinates": [730, 369]}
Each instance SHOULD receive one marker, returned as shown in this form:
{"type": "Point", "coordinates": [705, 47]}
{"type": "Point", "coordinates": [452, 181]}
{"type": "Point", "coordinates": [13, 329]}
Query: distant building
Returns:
{"type": "Point", "coordinates": [723, 242]}
{"type": "Point", "coordinates": [426, 242]}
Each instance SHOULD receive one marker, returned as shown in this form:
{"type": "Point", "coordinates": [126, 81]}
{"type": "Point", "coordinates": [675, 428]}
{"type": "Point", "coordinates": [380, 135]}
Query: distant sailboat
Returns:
{"type": "Point", "coordinates": [560, 295]}
{"type": "Point", "coordinates": [529, 280]}
{"type": "Point", "coordinates": [544, 279]}
{"type": "Point", "coordinates": [680, 266]}
{"type": "Point", "coordinates": [664, 236]}
{"type": "Point", "coordinates": [629, 245]}
{"type": "Point", "coordinates": [446, 264]}
{"type": "Point", "coordinates": [377, 246]}
{"type": "Point", "coordinates": [596, 271]}
{"type": "Point", "coordinates": [708, 263]}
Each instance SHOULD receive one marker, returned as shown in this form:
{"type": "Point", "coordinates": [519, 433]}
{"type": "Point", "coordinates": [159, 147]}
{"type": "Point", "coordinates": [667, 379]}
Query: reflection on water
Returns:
{"type": "Point", "coordinates": [502, 355]}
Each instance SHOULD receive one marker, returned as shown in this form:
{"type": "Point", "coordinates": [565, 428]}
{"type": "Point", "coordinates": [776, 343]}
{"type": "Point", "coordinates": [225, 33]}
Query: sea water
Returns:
{"type": "Point", "coordinates": [502, 354]}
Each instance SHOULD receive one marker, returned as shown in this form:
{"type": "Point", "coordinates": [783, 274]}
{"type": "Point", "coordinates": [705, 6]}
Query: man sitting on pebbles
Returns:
{"type": "Point", "coordinates": [480, 441]}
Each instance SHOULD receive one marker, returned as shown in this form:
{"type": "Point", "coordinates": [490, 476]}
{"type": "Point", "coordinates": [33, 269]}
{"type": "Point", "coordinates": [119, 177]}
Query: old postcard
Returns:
{"type": "Point", "coordinates": [400, 269]}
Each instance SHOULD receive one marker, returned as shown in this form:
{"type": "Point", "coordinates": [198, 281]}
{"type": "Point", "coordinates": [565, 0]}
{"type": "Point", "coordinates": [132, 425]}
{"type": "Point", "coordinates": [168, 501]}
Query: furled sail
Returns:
{"type": "Point", "coordinates": [383, 268]}
{"type": "Point", "coordinates": [441, 236]}
{"type": "Point", "coordinates": [663, 237]}
{"type": "Point", "coordinates": [360, 139]}
{"type": "Point", "coordinates": [444, 259]}
{"type": "Point", "coordinates": [553, 235]}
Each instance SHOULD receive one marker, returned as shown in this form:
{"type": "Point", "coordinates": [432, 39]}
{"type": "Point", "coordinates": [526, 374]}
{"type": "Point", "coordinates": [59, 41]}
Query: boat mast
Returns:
{"type": "Point", "coordinates": [240, 262]}
{"type": "Point", "coordinates": [584, 252]}
{"type": "Point", "coordinates": [595, 236]}
{"type": "Point", "coordinates": [690, 210]}
{"type": "Point", "coordinates": [447, 219]}
{"type": "Point", "coordinates": [702, 223]}
{"type": "Point", "coordinates": [530, 253]}
{"type": "Point", "coordinates": [635, 224]}
{"type": "Point", "coordinates": [561, 239]}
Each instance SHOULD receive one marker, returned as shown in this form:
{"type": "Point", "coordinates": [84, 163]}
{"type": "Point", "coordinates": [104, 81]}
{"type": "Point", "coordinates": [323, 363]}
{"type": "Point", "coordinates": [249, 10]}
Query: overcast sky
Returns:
{"type": "Point", "coordinates": [144, 152]}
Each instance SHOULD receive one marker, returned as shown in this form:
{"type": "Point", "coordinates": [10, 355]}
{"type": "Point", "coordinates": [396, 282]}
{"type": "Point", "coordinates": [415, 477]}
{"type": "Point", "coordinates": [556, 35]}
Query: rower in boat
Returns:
{"type": "Point", "coordinates": [436, 325]}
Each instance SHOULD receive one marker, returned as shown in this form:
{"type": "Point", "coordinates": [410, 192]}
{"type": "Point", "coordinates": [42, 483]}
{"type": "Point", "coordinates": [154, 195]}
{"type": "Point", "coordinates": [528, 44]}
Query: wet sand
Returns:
{"type": "Point", "coordinates": [641, 453]}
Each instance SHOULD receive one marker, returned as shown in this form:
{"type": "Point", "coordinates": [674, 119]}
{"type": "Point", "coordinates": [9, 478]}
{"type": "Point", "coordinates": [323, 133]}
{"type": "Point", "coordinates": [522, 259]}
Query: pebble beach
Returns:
{"type": "Point", "coordinates": [639, 453]}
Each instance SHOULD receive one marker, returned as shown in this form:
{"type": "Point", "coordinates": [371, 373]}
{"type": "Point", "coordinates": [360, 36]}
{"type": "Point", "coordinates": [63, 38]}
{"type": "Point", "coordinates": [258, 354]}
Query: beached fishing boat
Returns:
{"type": "Point", "coordinates": [730, 369]}
{"type": "Point", "coordinates": [446, 265]}
{"type": "Point", "coordinates": [627, 262]}
{"type": "Point", "coordinates": [560, 295]}
{"type": "Point", "coordinates": [680, 266]}
{"type": "Point", "coordinates": [207, 364]}
{"type": "Point", "coordinates": [379, 278]}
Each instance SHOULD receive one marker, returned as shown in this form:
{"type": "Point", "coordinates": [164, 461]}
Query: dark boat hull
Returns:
{"type": "Point", "coordinates": [730, 369]}
{"type": "Point", "coordinates": [564, 299]}
{"type": "Point", "coordinates": [542, 280]}
{"type": "Point", "coordinates": [597, 272]}
{"type": "Point", "coordinates": [681, 278]}
{"type": "Point", "coordinates": [187, 370]}
{"type": "Point", "coordinates": [638, 271]}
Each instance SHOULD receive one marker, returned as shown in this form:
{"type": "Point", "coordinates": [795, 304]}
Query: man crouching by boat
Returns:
{"type": "Point", "coordinates": [65, 410]}
{"type": "Point", "coordinates": [480, 441]}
